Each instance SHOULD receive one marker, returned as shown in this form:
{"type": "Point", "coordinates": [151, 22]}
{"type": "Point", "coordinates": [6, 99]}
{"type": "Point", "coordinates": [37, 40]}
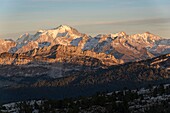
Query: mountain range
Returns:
{"type": "Point", "coordinates": [66, 44]}
{"type": "Point", "coordinates": [63, 62]}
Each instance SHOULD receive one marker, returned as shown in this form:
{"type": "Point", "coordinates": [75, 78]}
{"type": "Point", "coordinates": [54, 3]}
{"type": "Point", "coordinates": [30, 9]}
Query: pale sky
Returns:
{"type": "Point", "coordinates": [87, 16]}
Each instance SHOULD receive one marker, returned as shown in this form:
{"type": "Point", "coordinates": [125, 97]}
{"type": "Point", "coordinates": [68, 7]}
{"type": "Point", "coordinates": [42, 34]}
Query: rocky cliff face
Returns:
{"type": "Point", "coordinates": [59, 53]}
{"type": "Point", "coordinates": [67, 74]}
{"type": "Point", "coordinates": [66, 44]}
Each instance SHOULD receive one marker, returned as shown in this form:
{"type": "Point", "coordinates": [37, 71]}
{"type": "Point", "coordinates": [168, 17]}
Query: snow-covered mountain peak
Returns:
{"type": "Point", "coordinates": [147, 32]}
{"type": "Point", "coordinates": [66, 27]}
{"type": "Point", "coordinates": [147, 36]}
{"type": "Point", "coordinates": [99, 36]}
{"type": "Point", "coordinates": [119, 34]}
{"type": "Point", "coordinates": [24, 35]}
{"type": "Point", "coordinates": [23, 38]}
{"type": "Point", "coordinates": [122, 33]}
{"type": "Point", "coordinates": [121, 45]}
{"type": "Point", "coordinates": [41, 31]}
{"type": "Point", "coordinates": [63, 28]}
{"type": "Point", "coordinates": [62, 31]}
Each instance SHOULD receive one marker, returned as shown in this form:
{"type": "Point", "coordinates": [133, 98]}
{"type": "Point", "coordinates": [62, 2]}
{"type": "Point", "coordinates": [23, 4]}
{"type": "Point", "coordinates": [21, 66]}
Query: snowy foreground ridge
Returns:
{"type": "Point", "coordinates": [141, 101]}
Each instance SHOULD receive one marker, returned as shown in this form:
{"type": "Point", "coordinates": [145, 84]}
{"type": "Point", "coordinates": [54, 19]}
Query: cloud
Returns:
{"type": "Point", "coordinates": [68, 0]}
{"type": "Point", "coordinates": [137, 21]}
